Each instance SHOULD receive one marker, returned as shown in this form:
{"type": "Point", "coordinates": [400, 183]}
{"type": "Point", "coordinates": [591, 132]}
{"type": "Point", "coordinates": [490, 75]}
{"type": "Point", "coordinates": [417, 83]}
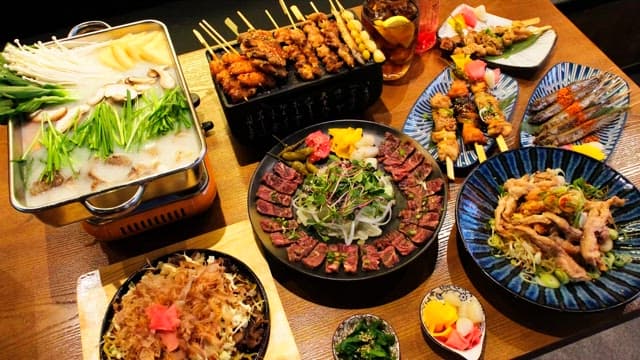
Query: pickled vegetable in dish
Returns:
{"type": "Point", "coordinates": [191, 306]}
{"type": "Point", "coordinates": [556, 232]}
{"type": "Point", "coordinates": [453, 317]}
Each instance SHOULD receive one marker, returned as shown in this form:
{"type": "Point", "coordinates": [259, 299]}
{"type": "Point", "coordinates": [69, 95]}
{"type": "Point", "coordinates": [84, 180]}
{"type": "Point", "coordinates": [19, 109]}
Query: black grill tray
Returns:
{"type": "Point", "coordinates": [295, 104]}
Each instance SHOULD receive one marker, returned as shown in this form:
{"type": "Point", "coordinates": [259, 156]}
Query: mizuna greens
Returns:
{"type": "Point", "coordinates": [346, 199]}
{"type": "Point", "coordinates": [108, 128]}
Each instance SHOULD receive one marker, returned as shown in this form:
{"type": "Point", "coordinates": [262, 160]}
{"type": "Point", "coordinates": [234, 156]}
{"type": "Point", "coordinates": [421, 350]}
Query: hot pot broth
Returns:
{"type": "Point", "coordinates": [103, 79]}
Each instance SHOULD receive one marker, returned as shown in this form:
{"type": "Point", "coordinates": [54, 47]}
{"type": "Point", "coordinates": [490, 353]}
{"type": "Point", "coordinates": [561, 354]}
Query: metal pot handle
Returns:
{"type": "Point", "coordinates": [87, 27]}
{"type": "Point", "coordinates": [119, 210]}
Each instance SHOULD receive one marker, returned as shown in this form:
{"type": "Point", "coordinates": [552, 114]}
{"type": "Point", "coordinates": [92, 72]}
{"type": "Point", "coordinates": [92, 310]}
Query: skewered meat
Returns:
{"type": "Point", "coordinates": [466, 113]}
{"type": "Point", "coordinates": [444, 134]}
{"type": "Point", "coordinates": [489, 111]}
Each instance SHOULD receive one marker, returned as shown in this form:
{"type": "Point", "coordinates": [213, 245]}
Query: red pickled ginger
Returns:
{"type": "Point", "coordinates": [456, 341]}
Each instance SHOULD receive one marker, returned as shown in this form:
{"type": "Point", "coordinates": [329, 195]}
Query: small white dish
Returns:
{"type": "Point", "coordinates": [349, 325]}
{"type": "Point", "coordinates": [466, 306]}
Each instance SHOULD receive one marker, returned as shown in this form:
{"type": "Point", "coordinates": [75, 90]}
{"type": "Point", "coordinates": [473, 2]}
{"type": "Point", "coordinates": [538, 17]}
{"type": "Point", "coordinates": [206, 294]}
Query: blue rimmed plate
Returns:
{"type": "Point", "coordinates": [528, 58]}
{"type": "Point", "coordinates": [419, 125]}
{"type": "Point", "coordinates": [561, 75]}
{"type": "Point", "coordinates": [478, 198]}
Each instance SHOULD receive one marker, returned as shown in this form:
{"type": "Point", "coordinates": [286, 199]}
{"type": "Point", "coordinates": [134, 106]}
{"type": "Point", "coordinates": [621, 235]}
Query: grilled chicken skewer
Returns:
{"type": "Point", "coordinates": [466, 114]}
{"type": "Point", "coordinates": [490, 113]}
{"type": "Point", "coordinates": [444, 131]}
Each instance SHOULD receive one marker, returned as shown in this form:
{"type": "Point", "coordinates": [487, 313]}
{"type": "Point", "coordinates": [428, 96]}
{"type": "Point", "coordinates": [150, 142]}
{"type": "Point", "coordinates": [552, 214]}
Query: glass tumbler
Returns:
{"type": "Point", "coordinates": [428, 25]}
{"type": "Point", "coordinates": [393, 25]}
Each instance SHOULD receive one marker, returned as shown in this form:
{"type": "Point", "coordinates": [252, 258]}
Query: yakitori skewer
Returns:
{"type": "Point", "coordinates": [313, 6]}
{"type": "Point", "coordinates": [231, 25]}
{"type": "Point", "coordinates": [273, 21]}
{"type": "Point", "coordinates": [205, 44]}
{"type": "Point", "coordinates": [444, 131]}
{"type": "Point", "coordinates": [297, 13]}
{"type": "Point", "coordinates": [246, 21]}
{"type": "Point", "coordinates": [286, 11]}
{"type": "Point", "coordinates": [216, 36]}
{"type": "Point", "coordinates": [466, 113]}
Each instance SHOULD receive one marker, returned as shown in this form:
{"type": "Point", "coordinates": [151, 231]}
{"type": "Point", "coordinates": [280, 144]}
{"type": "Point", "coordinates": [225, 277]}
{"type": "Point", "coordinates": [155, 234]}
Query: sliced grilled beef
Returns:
{"type": "Point", "coordinates": [278, 183]}
{"type": "Point", "coordinates": [350, 257]}
{"type": "Point", "coordinates": [317, 256]}
{"type": "Point", "coordinates": [403, 245]}
{"type": "Point", "coordinates": [369, 258]}
{"type": "Point", "coordinates": [334, 259]}
{"type": "Point", "coordinates": [389, 256]}
{"type": "Point", "coordinates": [280, 239]}
{"type": "Point", "coordinates": [388, 145]}
{"type": "Point", "coordinates": [269, 224]}
{"type": "Point", "coordinates": [399, 172]}
{"type": "Point", "coordinates": [287, 172]}
{"type": "Point", "coordinates": [417, 176]}
{"type": "Point", "coordinates": [401, 153]}
{"type": "Point", "coordinates": [301, 248]}
{"type": "Point", "coordinates": [415, 233]}
{"type": "Point", "coordinates": [270, 209]}
{"type": "Point", "coordinates": [269, 194]}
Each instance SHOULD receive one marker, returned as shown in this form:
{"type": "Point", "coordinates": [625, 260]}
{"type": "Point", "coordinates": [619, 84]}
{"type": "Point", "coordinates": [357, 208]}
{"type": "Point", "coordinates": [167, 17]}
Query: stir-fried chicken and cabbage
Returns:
{"type": "Point", "coordinates": [555, 231]}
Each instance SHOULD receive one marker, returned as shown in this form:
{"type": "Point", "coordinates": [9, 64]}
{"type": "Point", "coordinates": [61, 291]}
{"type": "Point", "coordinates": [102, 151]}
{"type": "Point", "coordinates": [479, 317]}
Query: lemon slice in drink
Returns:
{"type": "Point", "coordinates": [396, 30]}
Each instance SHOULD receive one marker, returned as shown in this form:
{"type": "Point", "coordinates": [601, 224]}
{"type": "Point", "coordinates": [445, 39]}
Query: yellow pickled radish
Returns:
{"type": "Point", "coordinates": [396, 30]}
{"type": "Point", "coordinates": [439, 317]}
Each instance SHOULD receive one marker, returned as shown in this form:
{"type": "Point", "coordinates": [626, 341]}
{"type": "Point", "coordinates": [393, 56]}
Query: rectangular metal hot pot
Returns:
{"type": "Point", "coordinates": [160, 167]}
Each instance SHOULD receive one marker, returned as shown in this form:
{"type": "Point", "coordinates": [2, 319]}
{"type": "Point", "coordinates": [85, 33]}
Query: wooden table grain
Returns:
{"type": "Point", "coordinates": [40, 264]}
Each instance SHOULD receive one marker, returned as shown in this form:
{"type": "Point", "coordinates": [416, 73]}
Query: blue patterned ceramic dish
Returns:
{"type": "Point", "coordinates": [419, 125]}
{"type": "Point", "coordinates": [478, 198]}
{"type": "Point", "coordinates": [559, 76]}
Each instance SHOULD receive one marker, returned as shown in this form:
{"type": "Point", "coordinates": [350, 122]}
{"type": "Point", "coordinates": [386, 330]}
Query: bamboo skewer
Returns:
{"type": "Point", "coordinates": [216, 36]}
{"type": "Point", "coordinates": [450, 173]}
{"type": "Point", "coordinates": [275, 24]}
{"type": "Point", "coordinates": [297, 13]}
{"type": "Point", "coordinates": [313, 6]}
{"type": "Point", "coordinates": [482, 156]}
{"type": "Point", "coordinates": [205, 44]}
{"type": "Point", "coordinates": [245, 20]}
{"type": "Point", "coordinates": [231, 25]}
{"type": "Point", "coordinates": [286, 11]}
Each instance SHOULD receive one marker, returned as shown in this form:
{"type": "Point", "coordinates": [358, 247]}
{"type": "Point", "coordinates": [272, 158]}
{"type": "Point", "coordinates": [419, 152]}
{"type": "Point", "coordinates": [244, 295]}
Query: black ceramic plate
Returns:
{"type": "Point", "coordinates": [478, 198]}
{"type": "Point", "coordinates": [378, 130]}
{"type": "Point", "coordinates": [231, 264]}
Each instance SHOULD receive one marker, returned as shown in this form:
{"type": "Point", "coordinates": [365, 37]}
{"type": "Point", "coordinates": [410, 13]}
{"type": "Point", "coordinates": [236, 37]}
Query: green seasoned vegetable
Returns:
{"type": "Point", "coordinates": [367, 341]}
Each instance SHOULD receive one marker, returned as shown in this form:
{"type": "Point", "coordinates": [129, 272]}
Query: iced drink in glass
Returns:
{"type": "Point", "coordinates": [393, 25]}
{"type": "Point", "coordinates": [428, 24]}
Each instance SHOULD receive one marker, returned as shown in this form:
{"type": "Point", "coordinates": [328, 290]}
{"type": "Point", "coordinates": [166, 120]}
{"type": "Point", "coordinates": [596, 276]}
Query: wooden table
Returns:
{"type": "Point", "coordinates": [40, 264]}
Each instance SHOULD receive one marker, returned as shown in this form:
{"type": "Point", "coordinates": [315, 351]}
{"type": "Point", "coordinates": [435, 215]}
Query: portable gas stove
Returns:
{"type": "Point", "coordinates": [158, 212]}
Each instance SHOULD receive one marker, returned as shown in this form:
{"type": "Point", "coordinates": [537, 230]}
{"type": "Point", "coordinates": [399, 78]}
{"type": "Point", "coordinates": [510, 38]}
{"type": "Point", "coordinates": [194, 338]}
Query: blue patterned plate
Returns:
{"type": "Point", "coordinates": [419, 125]}
{"type": "Point", "coordinates": [559, 76]}
{"type": "Point", "coordinates": [478, 198]}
